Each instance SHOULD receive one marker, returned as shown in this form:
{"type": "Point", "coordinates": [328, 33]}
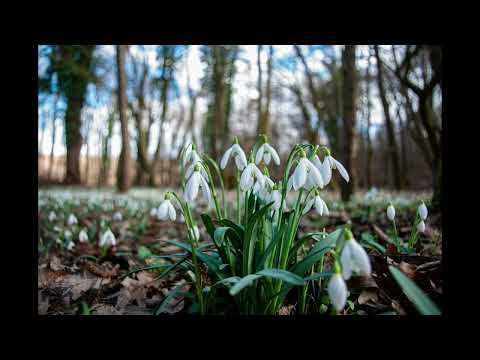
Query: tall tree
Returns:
{"type": "Point", "coordinates": [349, 109]}
{"type": "Point", "coordinates": [369, 150]}
{"type": "Point", "coordinates": [392, 143]}
{"type": "Point", "coordinates": [263, 123]}
{"type": "Point", "coordinates": [69, 72]}
{"type": "Point", "coordinates": [105, 161]}
{"type": "Point", "coordinates": [123, 171]}
{"type": "Point", "coordinates": [427, 121]}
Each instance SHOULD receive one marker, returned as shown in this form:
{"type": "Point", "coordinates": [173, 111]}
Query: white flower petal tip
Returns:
{"type": "Point", "coordinates": [337, 292]}
{"type": "Point", "coordinates": [153, 212]}
{"type": "Point", "coordinates": [355, 258]}
{"type": "Point", "coordinates": [83, 236]}
{"type": "Point", "coordinates": [421, 226]}
{"type": "Point", "coordinates": [423, 211]}
{"type": "Point", "coordinates": [117, 216]}
{"type": "Point", "coordinates": [390, 212]}
{"type": "Point", "coordinates": [166, 211]}
{"type": "Point", "coordinates": [108, 239]}
{"type": "Point", "coordinates": [52, 216]}
{"type": "Point", "coordinates": [72, 220]}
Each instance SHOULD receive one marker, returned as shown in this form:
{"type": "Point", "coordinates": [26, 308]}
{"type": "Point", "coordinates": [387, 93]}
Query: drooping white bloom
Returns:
{"type": "Point", "coordinates": [324, 168]}
{"type": "Point", "coordinates": [191, 275]}
{"type": "Point", "coordinates": [83, 236]}
{"type": "Point", "coordinates": [334, 164]}
{"type": "Point", "coordinates": [190, 155]}
{"type": "Point", "coordinates": [337, 291]}
{"type": "Point", "coordinates": [67, 234]}
{"type": "Point", "coordinates": [354, 258]}
{"type": "Point", "coordinates": [70, 245]}
{"type": "Point", "coordinates": [192, 167]}
{"type": "Point", "coordinates": [166, 211]}
{"type": "Point", "coordinates": [238, 154]}
{"type": "Point", "coordinates": [267, 152]}
{"type": "Point", "coordinates": [153, 212]}
{"type": "Point", "coordinates": [117, 216]}
{"type": "Point", "coordinates": [304, 171]}
{"type": "Point", "coordinates": [421, 226]}
{"type": "Point", "coordinates": [390, 212]}
{"type": "Point", "coordinates": [195, 182]}
{"type": "Point", "coordinates": [263, 191]}
{"type": "Point", "coordinates": [276, 197]}
{"type": "Point", "coordinates": [249, 175]}
{"type": "Point", "coordinates": [72, 220]}
{"type": "Point", "coordinates": [319, 203]}
{"type": "Point", "coordinates": [423, 211]}
{"type": "Point", "coordinates": [52, 216]}
{"type": "Point", "coordinates": [108, 239]}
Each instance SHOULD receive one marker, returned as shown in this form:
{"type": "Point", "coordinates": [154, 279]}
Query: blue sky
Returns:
{"type": "Point", "coordinates": [99, 100]}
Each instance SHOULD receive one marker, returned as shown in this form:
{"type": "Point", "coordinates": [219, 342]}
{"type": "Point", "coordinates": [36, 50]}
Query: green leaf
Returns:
{"type": "Point", "coordinates": [368, 239]}
{"type": "Point", "coordinates": [175, 291]}
{"type": "Point", "coordinates": [283, 275]}
{"type": "Point", "coordinates": [416, 295]}
{"type": "Point", "coordinates": [144, 252]}
{"type": "Point", "coordinates": [207, 221]}
{"type": "Point", "coordinates": [244, 282]}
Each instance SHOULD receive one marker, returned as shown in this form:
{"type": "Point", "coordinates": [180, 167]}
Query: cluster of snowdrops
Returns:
{"type": "Point", "coordinates": [258, 257]}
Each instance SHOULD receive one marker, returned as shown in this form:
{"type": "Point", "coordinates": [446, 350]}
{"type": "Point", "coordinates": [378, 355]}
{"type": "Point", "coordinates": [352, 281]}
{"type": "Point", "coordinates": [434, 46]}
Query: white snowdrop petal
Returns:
{"type": "Point", "coordinates": [346, 259]}
{"type": "Point", "coordinates": [325, 208]}
{"type": "Point", "coordinates": [390, 212]}
{"type": "Point", "coordinates": [153, 212]}
{"type": "Point", "coordinates": [245, 177]}
{"type": "Point", "coordinates": [290, 183]}
{"type": "Point", "coordinates": [315, 175]}
{"type": "Point", "coordinates": [259, 155]}
{"type": "Point", "coordinates": [300, 175]}
{"type": "Point", "coordinates": [337, 291]}
{"type": "Point", "coordinates": [326, 171]}
{"type": "Point", "coordinates": [274, 154]}
{"type": "Point", "coordinates": [421, 226]}
{"type": "Point", "coordinates": [191, 190]}
{"type": "Point", "coordinates": [267, 157]}
{"type": "Point", "coordinates": [308, 206]}
{"type": "Point", "coordinates": [423, 211]}
{"type": "Point", "coordinates": [225, 158]}
{"type": "Point", "coordinates": [319, 205]}
{"type": "Point", "coordinates": [316, 162]}
{"type": "Point", "coordinates": [205, 190]}
{"type": "Point", "coordinates": [171, 211]}
{"type": "Point", "coordinates": [360, 258]}
{"type": "Point", "coordinates": [343, 172]}
{"type": "Point", "coordinates": [162, 211]}
{"type": "Point", "coordinates": [240, 161]}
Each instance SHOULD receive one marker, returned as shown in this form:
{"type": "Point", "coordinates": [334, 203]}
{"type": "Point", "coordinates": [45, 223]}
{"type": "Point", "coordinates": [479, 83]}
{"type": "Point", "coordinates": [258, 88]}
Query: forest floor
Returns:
{"type": "Point", "coordinates": [127, 279]}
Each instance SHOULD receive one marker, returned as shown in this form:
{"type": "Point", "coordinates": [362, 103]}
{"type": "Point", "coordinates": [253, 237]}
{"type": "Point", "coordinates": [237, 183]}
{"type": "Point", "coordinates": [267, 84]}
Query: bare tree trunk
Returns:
{"type": "Point", "coordinates": [123, 173]}
{"type": "Point", "coordinates": [105, 162]}
{"type": "Point", "coordinates": [260, 125]}
{"type": "Point", "coordinates": [75, 99]}
{"type": "Point", "coordinates": [369, 150]}
{"type": "Point", "coordinates": [263, 126]}
{"type": "Point", "coordinates": [392, 143]}
{"type": "Point", "coordinates": [219, 107]}
{"type": "Point", "coordinates": [54, 133]}
{"type": "Point", "coordinates": [349, 110]}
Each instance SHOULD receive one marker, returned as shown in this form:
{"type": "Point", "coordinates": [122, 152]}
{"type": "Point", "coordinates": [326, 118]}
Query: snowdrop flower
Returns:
{"type": "Point", "coordinates": [191, 275]}
{"type": "Point", "coordinates": [108, 239]}
{"type": "Point", "coordinates": [70, 245]}
{"type": "Point", "coordinates": [276, 197]}
{"type": "Point", "coordinates": [263, 191]}
{"type": "Point", "coordinates": [354, 258]}
{"type": "Point", "coordinates": [52, 216]}
{"type": "Point", "coordinates": [68, 234]}
{"type": "Point", "coordinates": [390, 212]}
{"type": "Point", "coordinates": [191, 155]}
{"type": "Point", "coordinates": [266, 152]}
{"type": "Point", "coordinates": [117, 216]}
{"type": "Point", "coordinates": [249, 175]}
{"type": "Point", "coordinates": [83, 236]}
{"type": "Point", "coordinates": [72, 220]}
{"type": "Point", "coordinates": [320, 205]}
{"type": "Point", "coordinates": [337, 289]}
{"type": "Point", "coordinates": [238, 154]}
{"type": "Point", "coordinates": [421, 226]}
{"type": "Point", "coordinates": [422, 211]}
{"type": "Point", "coordinates": [329, 163]}
{"type": "Point", "coordinates": [304, 171]}
{"type": "Point", "coordinates": [153, 212]}
{"type": "Point", "coordinates": [166, 211]}
{"type": "Point", "coordinates": [194, 182]}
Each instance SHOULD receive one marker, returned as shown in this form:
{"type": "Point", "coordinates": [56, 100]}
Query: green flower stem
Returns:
{"type": "Point", "coordinates": [397, 240]}
{"type": "Point", "coordinates": [414, 233]}
{"type": "Point", "coordinates": [238, 197]}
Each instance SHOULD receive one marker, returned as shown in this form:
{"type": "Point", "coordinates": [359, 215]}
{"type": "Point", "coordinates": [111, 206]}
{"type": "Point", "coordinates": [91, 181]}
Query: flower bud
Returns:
{"type": "Point", "coordinates": [422, 211]}
{"type": "Point", "coordinates": [421, 226]}
{"type": "Point", "coordinates": [390, 212]}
